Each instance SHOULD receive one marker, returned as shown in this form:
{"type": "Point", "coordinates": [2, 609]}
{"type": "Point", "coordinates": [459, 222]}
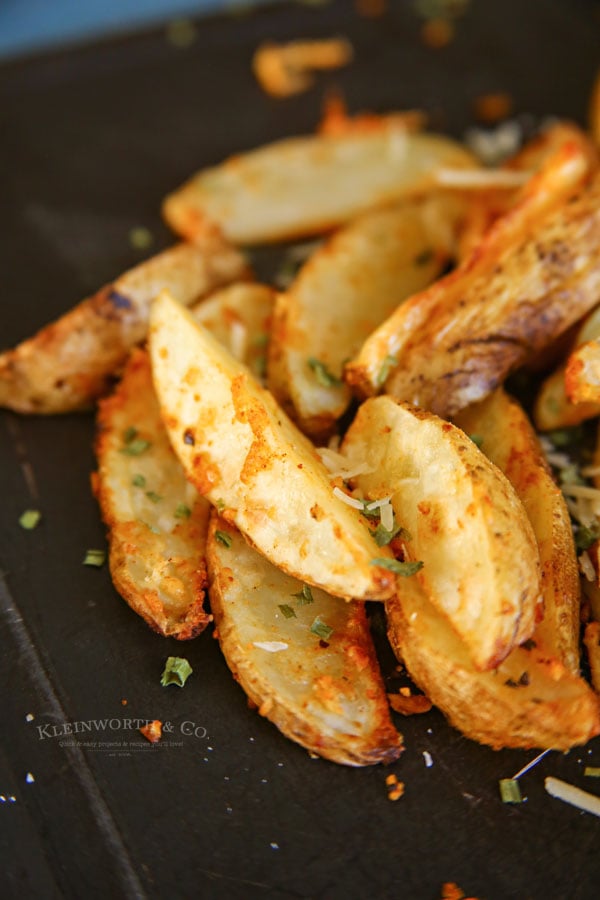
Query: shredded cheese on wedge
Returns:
{"type": "Point", "coordinates": [478, 179]}
{"type": "Point", "coordinates": [345, 498]}
{"type": "Point", "coordinates": [562, 790]}
{"type": "Point", "coordinates": [271, 646]}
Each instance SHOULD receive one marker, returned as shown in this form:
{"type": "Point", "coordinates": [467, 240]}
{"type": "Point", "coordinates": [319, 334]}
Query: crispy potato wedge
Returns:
{"type": "Point", "coordinates": [350, 285]}
{"type": "Point", "coordinates": [529, 700]}
{"type": "Point", "coordinates": [466, 525]}
{"type": "Point", "coordinates": [240, 316]}
{"type": "Point", "coordinates": [582, 373]}
{"type": "Point", "coordinates": [327, 695]}
{"type": "Point", "coordinates": [510, 442]}
{"type": "Point", "coordinates": [591, 639]}
{"type": "Point", "coordinates": [156, 519]}
{"type": "Point", "coordinates": [240, 450]}
{"type": "Point", "coordinates": [305, 185]}
{"type": "Point", "coordinates": [456, 342]}
{"type": "Point", "coordinates": [553, 408]}
{"type": "Point", "coordinates": [71, 362]}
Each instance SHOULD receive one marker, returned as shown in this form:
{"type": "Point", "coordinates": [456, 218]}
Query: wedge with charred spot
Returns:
{"type": "Point", "coordinates": [535, 273]}
{"type": "Point", "coordinates": [241, 451]}
{"type": "Point", "coordinates": [460, 518]}
{"type": "Point", "coordinates": [529, 700]}
{"type": "Point", "coordinates": [70, 363]}
{"type": "Point", "coordinates": [344, 291]}
{"type": "Point", "coordinates": [305, 658]}
{"type": "Point", "coordinates": [156, 519]}
{"type": "Point", "coordinates": [509, 441]}
{"type": "Point", "coordinates": [306, 185]}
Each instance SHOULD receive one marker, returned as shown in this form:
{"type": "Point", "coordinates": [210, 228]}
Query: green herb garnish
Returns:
{"type": "Point", "coordinates": [177, 671]}
{"type": "Point", "coordinates": [510, 792]}
{"type": "Point", "coordinates": [405, 569]}
{"type": "Point", "coordinates": [133, 445]}
{"type": "Point", "coordinates": [95, 558]}
{"type": "Point", "coordinates": [587, 535]}
{"type": "Point", "coordinates": [220, 504]}
{"type": "Point", "coordinates": [564, 437]}
{"type": "Point", "coordinates": [322, 373]}
{"type": "Point", "coordinates": [389, 363]}
{"type": "Point", "coordinates": [477, 439]}
{"type": "Point", "coordinates": [592, 771]}
{"type": "Point", "coordinates": [287, 611]}
{"type": "Point", "coordinates": [141, 238]}
{"type": "Point", "coordinates": [182, 511]}
{"type": "Point", "coordinates": [304, 596]}
{"type": "Point", "coordinates": [322, 630]}
{"type": "Point", "coordinates": [129, 434]}
{"type": "Point", "coordinates": [383, 537]}
{"type": "Point", "coordinates": [570, 475]}
{"type": "Point", "coordinates": [138, 481]}
{"type": "Point", "coordinates": [29, 519]}
{"type": "Point", "coordinates": [224, 538]}
{"type": "Point", "coordinates": [152, 495]}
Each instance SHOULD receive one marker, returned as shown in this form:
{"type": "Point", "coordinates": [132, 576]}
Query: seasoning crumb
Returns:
{"type": "Point", "coordinates": [29, 778]}
{"type": "Point", "coordinates": [29, 717]}
{"type": "Point", "coordinates": [428, 759]}
{"type": "Point", "coordinates": [274, 846]}
{"type": "Point", "coordinates": [152, 731]}
{"type": "Point", "coordinates": [30, 519]}
{"type": "Point", "coordinates": [124, 702]}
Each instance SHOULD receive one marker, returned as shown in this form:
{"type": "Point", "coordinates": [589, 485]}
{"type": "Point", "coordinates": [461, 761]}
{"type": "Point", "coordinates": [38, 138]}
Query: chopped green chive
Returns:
{"type": "Point", "coordinates": [287, 611]}
{"type": "Point", "coordinates": [564, 437]}
{"type": "Point", "coordinates": [224, 538]}
{"type": "Point", "coordinates": [177, 671]}
{"type": "Point", "coordinates": [304, 596]}
{"type": "Point", "coordinates": [141, 238]}
{"type": "Point", "coordinates": [477, 439]}
{"type": "Point", "coordinates": [510, 792]}
{"type": "Point", "coordinates": [29, 519]}
{"type": "Point", "coordinates": [182, 511]}
{"type": "Point", "coordinates": [389, 363]}
{"type": "Point", "coordinates": [138, 481]}
{"type": "Point", "coordinates": [322, 630]}
{"type": "Point", "coordinates": [220, 504]}
{"type": "Point", "coordinates": [152, 495]}
{"type": "Point", "coordinates": [406, 569]}
{"type": "Point", "coordinates": [129, 434]}
{"type": "Point", "coordinates": [260, 366]}
{"type": "Point", "coordinates": [383, 537]}
{"type": "Point", "coordinates": [426, 256]}
{"type": "Point", "coordinates": [592, 771]}
{"type": "Point", "coordinates": [135, 447]}
{"type": "Point", "coordinates": [95, 558]}
{"type": "Point", "coordinates": [322, 373]}
{"type": "Point", "coordinates": [587, 535]}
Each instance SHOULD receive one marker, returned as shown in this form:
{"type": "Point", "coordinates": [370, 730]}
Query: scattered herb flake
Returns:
{"type": "Point", "coordinates": [321, 629]}
{"type": "Point", "coordinates": [510, 792]}
{"type": "Point", "coordinates": [138, 481]}
{"type": "Point", "coordinates": [287, 611]}
{"type": "Point", "coordinates": [304, 596]}
{"type": "Point", "coordinates": [152, 495]}
{"type": "Point", "coordinates": [383, 537]}
{"type": "Point", "coordinates": [389, 363]}
{"type": "Point", "coordinates": [405, 569]}
{"type": "Point", "coordinates": [129, 434]}
{"type": "Point", "coordinates": [260, 366]}
{"type": "Point", "coordinates": [565, 437]}
{"type": "Point", "coordinates": [477, 440]}
{"type": "Point", "coordinates": [322, 373]}
{"type": "Point", "coordinates": [182, 511]}
{"type": "Point", "coordinates": [425, 257]}
{"type": "Point", "coordinates": [29, 519]}
{"type": "Point", "coordinates": [136, 447]}
{"type": "Point", "coordinates": [141, 238]}
{"type": "Point", "coordinates": [587, 535]}
{"type": "Point", "coordinates": [95, 558]}
{"type": "Point", "coordinates": [224, 538]}
{"type": "Point", "coordinates": [220, 504]}
{"type": "Point", "coordinates": [592, 771]}
{"type": "Point", "coordinates": [177, 671]}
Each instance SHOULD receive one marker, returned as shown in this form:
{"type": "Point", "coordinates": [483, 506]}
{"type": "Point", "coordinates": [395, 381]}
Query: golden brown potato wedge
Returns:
{"type": "Point", "coordinates": [306, 185]}
{"type": "Point", "coordinates": [582, 373]}
{"type": "Point", "coordinates": [535, 273]}
{"type": "Point", "coordinates": [529, 700]}
{"type": "Point", "coordinates": [305, 658]}
{"type": "Point", "coordinates": [464, 522]}
{"type": "Point", "coordinates": [157, 521]}
{"type": "Point", "coordinates": [240, 316]}
{"type": "Point", "coordinates": [553, 409]}
{"type": "Point", "coordinates": [240, 450]}
{"type": "Point", "coordinates": [71, 362]}
{"type": "Point", "coordinates": [350, 285]}
{"type": "Point", "coordinates": [509, 441]}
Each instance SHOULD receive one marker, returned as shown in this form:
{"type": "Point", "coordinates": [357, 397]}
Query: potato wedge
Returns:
{"type": "Point", "coordinates": [510, 442]}
{"type": "Point", "coordinates": [305, 185]}
{"type": "Point", "coordinates": [71, 362]}
{"type": "Point", "coordinates": [456, 342]}
{"type": "Point", "coordinates": [242, 453]}
{"type": "Point", "coordinates": [466, 525]}
{"type": "Point", "coordinates": [347, 288]}
{"type": "Point", "coordinates": [529, 700]}
{"type": "Point", "coordinates": [240, 316]}
{"type": "Point", "coordinates": [582, 373]}
{"type": "Point", "coordinates": [327, 695]}
{"type": "Point", "coordinates": [157, 521]}
{"type": "Point", "coordinates": [553, 408]}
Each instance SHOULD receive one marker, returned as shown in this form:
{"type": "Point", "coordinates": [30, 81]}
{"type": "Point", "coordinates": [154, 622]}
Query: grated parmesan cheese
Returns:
{"type": "Point", "coordinates": [238, 339]}
{"type": "Point", "coordinates": [345, 498]}
{"type": "Point", "coordinates": [586, 567]}
{"type": "Point", "coordinates": [477, 179]}
{"type": "Point", "coordinates": [270, 646]}
{"type": "Point", "coordinates": [583, 800]}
